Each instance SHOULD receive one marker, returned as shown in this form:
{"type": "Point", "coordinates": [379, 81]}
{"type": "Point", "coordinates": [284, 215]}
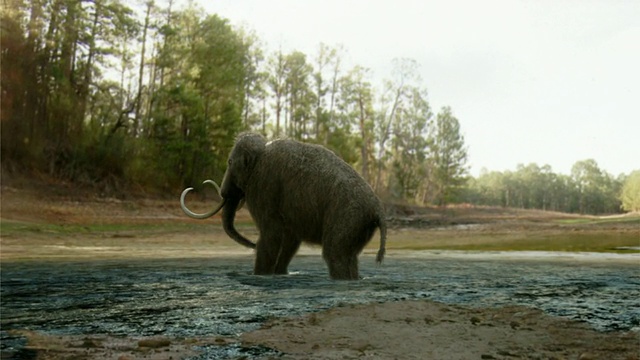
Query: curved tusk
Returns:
{"type": "Point", "coordinates": [207, 214]}
{"type": "Point", "coordinates": [215, 185]}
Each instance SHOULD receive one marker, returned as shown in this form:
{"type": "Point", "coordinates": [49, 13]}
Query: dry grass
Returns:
{"type": "Point", "coordinates": [65, 225]}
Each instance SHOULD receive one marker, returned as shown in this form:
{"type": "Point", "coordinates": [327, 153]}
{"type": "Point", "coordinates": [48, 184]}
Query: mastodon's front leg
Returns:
{"type": "Point", "coordinates": [266, 258]}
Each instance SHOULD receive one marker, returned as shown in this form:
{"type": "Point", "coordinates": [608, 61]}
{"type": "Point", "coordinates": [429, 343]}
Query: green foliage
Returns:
{"type": "Point", "coordinates": [588, 190]}
{"type": "Point", "coordinates": [299, 94]}
{"type": "Point", "coordinates": [630, 195]}
{"type": "Point", "coordinates": [354, 105]}
{"type": "Point", "coordinates": [198, 107]}
{"type": "Point", "coordinates": [596, 189]}
{"type": "Point", "coordinates": [52, 55]}
{"type": "Point", "coordinates": [105, 96]}
{"type": "Point", "coordinates": [410, 144]}
{"type": "Point", "coordinates": [177, 121]}
{"type": "Point", "coordinates": [448, 158]}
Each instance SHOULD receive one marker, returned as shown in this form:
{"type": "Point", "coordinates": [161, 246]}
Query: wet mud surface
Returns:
{"type": "Point", "coordinates": [219, 296]}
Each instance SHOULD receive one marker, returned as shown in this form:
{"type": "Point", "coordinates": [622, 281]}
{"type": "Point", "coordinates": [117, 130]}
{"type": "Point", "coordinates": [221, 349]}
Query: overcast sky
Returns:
{"type": "Point", "coordinates": [550, 82]}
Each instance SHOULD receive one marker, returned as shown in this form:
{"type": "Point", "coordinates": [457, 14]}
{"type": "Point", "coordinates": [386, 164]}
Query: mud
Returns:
{"type": "Point", "coordinates": [219, 297]}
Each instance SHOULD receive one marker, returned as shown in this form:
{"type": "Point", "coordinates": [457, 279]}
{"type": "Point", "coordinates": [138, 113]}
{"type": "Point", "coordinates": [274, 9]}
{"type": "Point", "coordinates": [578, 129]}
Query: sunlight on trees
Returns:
{"type": "Point", "coordinates": [630, 195]}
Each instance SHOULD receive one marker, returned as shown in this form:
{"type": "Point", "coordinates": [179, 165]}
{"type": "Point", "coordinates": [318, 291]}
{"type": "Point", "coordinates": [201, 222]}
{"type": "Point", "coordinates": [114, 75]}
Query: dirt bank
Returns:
{"type": "Point", "coordinates": [428, 330]}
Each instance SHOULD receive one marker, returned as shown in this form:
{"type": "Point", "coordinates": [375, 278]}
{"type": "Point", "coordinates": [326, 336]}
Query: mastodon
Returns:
{"type": "Point", "coordinates": [298, 192]}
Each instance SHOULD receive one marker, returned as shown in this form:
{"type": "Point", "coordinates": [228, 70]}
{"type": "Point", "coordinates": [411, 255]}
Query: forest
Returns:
{"type": "Point", "coordinates": [150, 98]}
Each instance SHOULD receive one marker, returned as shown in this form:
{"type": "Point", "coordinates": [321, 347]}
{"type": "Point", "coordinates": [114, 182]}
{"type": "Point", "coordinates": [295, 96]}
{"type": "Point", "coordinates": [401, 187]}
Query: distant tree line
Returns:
{"type": "Point", "coordinates": [98, 92]}
{"type": "Point", "coordinates": [587, 190]}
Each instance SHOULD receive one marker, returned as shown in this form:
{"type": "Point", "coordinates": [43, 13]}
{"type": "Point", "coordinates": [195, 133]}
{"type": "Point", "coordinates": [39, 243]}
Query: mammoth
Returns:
{"type": "Point", "coordinates": [297, 192]}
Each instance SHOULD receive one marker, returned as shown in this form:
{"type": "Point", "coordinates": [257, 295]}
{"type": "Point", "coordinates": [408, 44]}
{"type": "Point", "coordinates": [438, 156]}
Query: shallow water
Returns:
{"type": "Point", "coordinates": [219, 296]}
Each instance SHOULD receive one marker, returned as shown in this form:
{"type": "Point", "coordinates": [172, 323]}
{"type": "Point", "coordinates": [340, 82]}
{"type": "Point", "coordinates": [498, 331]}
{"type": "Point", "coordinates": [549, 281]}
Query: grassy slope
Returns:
{"type": "Point", "coordinates": [49, 220]}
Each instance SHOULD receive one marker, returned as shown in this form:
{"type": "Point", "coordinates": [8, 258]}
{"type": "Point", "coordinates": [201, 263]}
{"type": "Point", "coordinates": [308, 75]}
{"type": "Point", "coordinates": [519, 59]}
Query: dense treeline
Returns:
{"type": "Point", "coordinates": [101, 93]}
{"type": "Point", "coordinates": [588, 190]}
{"type": "Point", "coordinates": [98, 94]}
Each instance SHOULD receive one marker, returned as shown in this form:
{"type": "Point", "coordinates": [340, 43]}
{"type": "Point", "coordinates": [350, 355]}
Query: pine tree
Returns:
{"type": "Point", "coordinates": [448, 158]}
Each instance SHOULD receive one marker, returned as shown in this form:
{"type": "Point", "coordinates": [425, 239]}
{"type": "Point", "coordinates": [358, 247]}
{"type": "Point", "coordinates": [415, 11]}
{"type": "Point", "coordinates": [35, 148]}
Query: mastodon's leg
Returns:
{"type": "Point", "coordinates": [288, 247]}
{"type": "Point", "coordinates": [266, 257]}
{"type": "Point", "coordinates": [274, 250]}
{"type": "Point", "coordinates": [274, 263]}
{"type": "Point", "coordinates": [341, 256]}
{"type": "Point", "coordinates": [341, 247]}
{"type": "Point", "coordinates": [342, 265]}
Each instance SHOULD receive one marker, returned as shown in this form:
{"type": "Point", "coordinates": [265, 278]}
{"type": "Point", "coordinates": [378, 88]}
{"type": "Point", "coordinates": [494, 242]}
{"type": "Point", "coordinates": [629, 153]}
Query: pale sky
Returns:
{"type": "Point", "coordinates": [550, 82]}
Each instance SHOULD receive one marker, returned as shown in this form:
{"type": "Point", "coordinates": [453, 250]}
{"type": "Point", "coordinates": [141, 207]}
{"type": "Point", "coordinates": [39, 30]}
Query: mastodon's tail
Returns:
{"type": "Point", "coordinates": [382, 225]}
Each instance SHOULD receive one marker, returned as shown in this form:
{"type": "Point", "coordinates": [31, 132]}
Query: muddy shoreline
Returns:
{"type": "Point", "coordinates": [93, 278]}
{"type": "Point", "coordinates": [214, 308]}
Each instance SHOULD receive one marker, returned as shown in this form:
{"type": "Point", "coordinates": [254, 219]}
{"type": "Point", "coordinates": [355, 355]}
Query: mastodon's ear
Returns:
{"type": "Point", "coordinates": [248, 159]}
{"type": "Point", "coordinates": [252, 146]}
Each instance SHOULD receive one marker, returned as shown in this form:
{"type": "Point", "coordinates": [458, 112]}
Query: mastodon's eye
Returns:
{"type": "Point", "coordinates": [229, 161]}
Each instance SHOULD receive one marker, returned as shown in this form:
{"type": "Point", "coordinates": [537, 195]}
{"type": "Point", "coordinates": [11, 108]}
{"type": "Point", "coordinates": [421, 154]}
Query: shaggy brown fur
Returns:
{"type": "Point", "coordinates": [300, 192]}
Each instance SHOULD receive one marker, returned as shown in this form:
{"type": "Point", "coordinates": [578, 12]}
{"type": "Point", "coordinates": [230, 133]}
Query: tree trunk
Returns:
{"type": "Point", "coordinates": [136, 121]}
{"type": "Point", "coordinates": [384, 136]}
{"type": "Point", "coordinates": [364, 153]}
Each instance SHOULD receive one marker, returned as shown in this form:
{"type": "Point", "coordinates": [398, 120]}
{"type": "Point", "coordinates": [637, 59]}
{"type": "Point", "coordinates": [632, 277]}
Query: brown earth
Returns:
{"type": "Point", "coordinates": [429, 330]}
{"type": "Point", "coordinates": [42, 220]}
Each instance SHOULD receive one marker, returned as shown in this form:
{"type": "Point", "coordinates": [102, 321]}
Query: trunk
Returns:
{"type": "Point", "coordinates": [228, 216]}
{"type": "Point", "coordinates": [278, 110]}
{"type": "Point", "coordinates": [137, 122]}
{"type": "Point", "coordinates": [87, 77]}
{"type": "Point", "coordinates": [364, 154]}
{"type": "Point", "coordinates": [332, 99]}
{"type": "Point", "coordinates": [264, 117]}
